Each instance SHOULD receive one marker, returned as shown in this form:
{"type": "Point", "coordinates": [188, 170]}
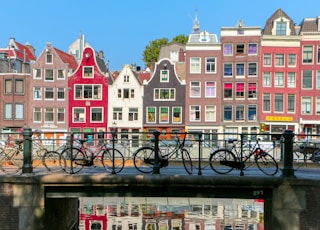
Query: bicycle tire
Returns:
{"type": "Point", "coordinates": [11, 162]}
{"type": "Point", "coordinates": [222, 155]}
{"type": "Point", "coordinates": [76, 164]}
{"type": "Point", "coordinates": [53, 161]}
{"type": "Point", "coordinates": [143, 159]}
{"type": "Point", "coordinates": [266, 163]}
{"type": "Point", "coordinates": [187, 162]}
{"type": "Point", "coordinates": [107, 160]}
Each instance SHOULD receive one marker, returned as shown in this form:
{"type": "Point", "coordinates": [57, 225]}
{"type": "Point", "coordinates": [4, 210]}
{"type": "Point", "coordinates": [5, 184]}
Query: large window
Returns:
{"type": "Point", "coordinates": [227, 49]}
{"type": "Point", "coordinates": [61, 93]}
{"type": "Point", "coordinates": [278, 102]}
{"type": "Point", "coordinates": [291, 103]}
{"type": "Point", "coordinates": [195, 65]}
{"type": "Point", "coordinates": [48, 115]}
{"type": "Point", "coordinates": [37, 114]}
{"type": "Point", "coordinates": [239, 112]}
{"type": "Point", "coordinates": [307, 54]}
{"type": "Point", "coordinates": [227, 88]}
{"type": "Point", "coordinates": [252, 69]}
{"type": "Point", "coordinates": [164, 115]}
{"type": "Point", "coordinates": [252, 90]}
{"type": "Point", "coordinates": [176, 114]}
{"type": "Point", "coordinates": [227, 112]}
{"type": "Point", "coordinates": [8, 111]}
{"type": "Point", "coordinates": [292, 59]}
{"type": "Point", "coordinates": [37, 93]}
{"type": "Point", "coordinates": [87, 92]}
{"type": "Point", "coordinates": [61, 115]}
{"type": "Point", "coordinates": [151, 114]}
{"type": "Point", "coordinates": [133, 114]}
{"type": "Point", "coordinates": [267, 59]}
{"type": "Point", "coordinates": [306, 105]}
{"type": "Point", "coordinates": [253, 48]}
{"type": "Point", "coordinates": [48, 75]}
{"type": "Point", "coordinates": [210, 65]}
{"type": "Point", "coordinates": [79, 115]}
{"type": "Point", "coordinates": [37, 73]}
{"type": "Point", "coordinates": [266, 79]}
{"type": "Point", "coordinates": [240, 69]}
{"type": "Point", "coordinates": [61, 74]}
{"type": "Point", "coordinates": [281, 28]}
{"type": "Point", "coordinates": [8, 86]}
{"type": "Point", "coordinates": [117, 113]}
{"type": "Point", "coordinates": [96, 114]}
{"type": "Point", "coordinates": [279, 79]}
{"type": "Point", "coordinates": [307, 79]}
{"type": "Point", "coordinates": [266, 102]}
{"type": "Point", "coordinates": [227, 69]}
{"type": "Point", "coordinates": [211, 89]}
{"type": "Point", "coordinates": [291, 79]}
{"type": "Point", "coordinates": [279, 60]}
{"type": "Point", "coordinates": [48, 93]}
{"type": "Point", "coordinates": [195, 89]}
{"type": "Point", "coordinates": [240, 90]}
{"type": "Point", "coordinates": [252, 112]}
{"type": "Point", "coordinates": [164, 94]}
{"type": "Point", "coordinates": [240, 49]}
{"type": "Point", "coordinates": [210, 111]}
{"type": "Point", "coordinates": [318, 106]}
{"type": "Point", "coordinates": [194, 113]}
{"type": "Point", "coordinates": [318, 80]}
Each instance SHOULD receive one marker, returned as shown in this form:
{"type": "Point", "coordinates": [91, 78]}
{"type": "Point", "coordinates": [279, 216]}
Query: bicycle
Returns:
{"type": "Point", "coordinates": [224, 160]}
{"type": "Point", "coordinates": [307, 152]}
{"type": "Point", "coordinates": [11, 158]}
{"type": "Point", "coordinates": [78, 156]}
{"type": "Point", "coordinates": [143, 157]}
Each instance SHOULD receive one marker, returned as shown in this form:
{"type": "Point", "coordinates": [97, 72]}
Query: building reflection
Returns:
{"type": "Point", "coordinates": [170, 213]}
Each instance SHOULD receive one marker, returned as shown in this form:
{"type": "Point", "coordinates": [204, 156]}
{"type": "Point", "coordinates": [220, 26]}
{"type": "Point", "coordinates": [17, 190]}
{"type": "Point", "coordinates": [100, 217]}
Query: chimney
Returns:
{"type": "Point", "coordinates": [182, 55]}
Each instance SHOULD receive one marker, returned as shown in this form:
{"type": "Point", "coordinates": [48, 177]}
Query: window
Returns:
{"type": "Point", "coordinates": [126, 78]}
{"type": "Point", "coordinates": [49, 59]}
{"type": "Point", "coordinates": [61, 115]}
{"type": "Point", "coordinates": [240, 69]}
{"type": "Point", "coordinates": [37, 93]}
{"type": "Point", "coordinates": [48, 75]}
{"type": "Point", "coordinates": [210, 111]}
{"type": "Point", "coordinates": [240, 90]}
{"type": "Point", "coordinates": [88, 72]}
{"type": "Point", "coordinates": [96, 114]}
{"type": "Point", "coordinates": [227, 49]}
{"type": "Point", "coordinates": [61, 94]}
{"type": "Point", "coordinates": [267, 59]}
{"type": "Point", "coordinates": [318, 54]}
{"type": "Point", "coordinates": [79, 115]}
{"type": "Point", "coordinates": [61, 74]}
{"type": "Point", "coordinates": [133, 114]}
{"type": "Point", "coordinates": [19, 86]}
{"type": "Point", "coordinates": [227, 112]}
{"type": "Point", "coordinates": [126, 93]}
{"type": "Point", "coordinates": [8, 86]}
{"type": "Point", "coordinates": [210, 65]}
{"type": "Point", "coordinates": [85, 92]}
{"type": "Point", "coordinates": [281, 28]}
{"type": "Point", "coordinates": [252, 90]}
{"type": "Point", "coordinates": [266, 79]}
{"type": "Point", "coordinates": [176, 114]}
{"type": "Point", "coordinates": [151, 114]}
{"type": "Point", "coordinates": [174, 56]}
{"type": "Point", "coordinates": [48, 115]}
{"type": "Point", "coordinates": [252, 69]}
{"type": "Point", "coordinates": [291, 80]}
{"type": "Point", "coordinates": [252, 112]}
{"type": "Point", "coordinates": [195, 64]}
{"type": "Point", "coordinates": [117, 113]}
{"type": "Point", "coordinates": [307, 54]}
{"type": "Point", "coordinates": [37, 114]}
{"type": "Point", "coordinates": [194, 89]}
{"type": "Point", "coordinates": [227, 69]}
{"type": "Point", "coordinates": [279, 79]}
{"type": "Point", "coordinates": [253, 49]}
{"type": "Point", "coordinates": [306, 103]}
{"type": "Point", "coordinates": [318, 80]}
{"type": "Point", "coordinates": [194, 113]}
{"type": "Point", "coordinates": [239, 112]}
{"type": "Point", "coordinates": [307, 79]}
{"type": "Point", "coordinates": [266, 102]}
{"type": "Point", "coordinates": [317, 105]}
{"type": "Point", "coordinates": [132, 93]}
{"type": "Point", "coordinates": [8, 111]}
{"type": "Point", "coordinates": [164, 115]}
{"type": "Point", "coordinates": [227, 87]}
{"type": "Point", "coordinates": [278, 102]}
{"type": "Point", "coordinates": [37, 73]}
{"type": "Point", "coordinates": [48, 93]}
{"type": "Point", "coordinates": [240, 49]}
{"type": "Point", "coordinates": [164, 94]}
{"type": "Point", "coordinates": [291, 103]}
{"type": "Point", "coordinates": [164, 75]}
{"type": "Point", "coordinates": [292, 58]}
{"type": "Point", "coordinates": [210, 89]}
{"type": "Point", "coordinates": [279, 60]}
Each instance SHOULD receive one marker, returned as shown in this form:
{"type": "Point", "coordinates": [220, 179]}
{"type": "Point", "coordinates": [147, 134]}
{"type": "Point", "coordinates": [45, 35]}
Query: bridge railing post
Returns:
{"type": "Point", "coordinates": [27, 150]}
{"type": "Point", "coordinates": [156, 166]}
{"type": "Point", "coordinates": [288, 170]}
{"type": "Point", "coordinates": [70, 146]}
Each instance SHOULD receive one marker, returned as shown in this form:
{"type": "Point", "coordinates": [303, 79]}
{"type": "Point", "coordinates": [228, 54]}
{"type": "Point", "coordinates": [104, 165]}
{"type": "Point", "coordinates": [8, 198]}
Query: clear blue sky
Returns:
{"type": "Point", "coordinates": [122, 29]}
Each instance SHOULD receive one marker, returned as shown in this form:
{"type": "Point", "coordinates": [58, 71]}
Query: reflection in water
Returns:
{"type": "Point", "coordinates": [170, 213]}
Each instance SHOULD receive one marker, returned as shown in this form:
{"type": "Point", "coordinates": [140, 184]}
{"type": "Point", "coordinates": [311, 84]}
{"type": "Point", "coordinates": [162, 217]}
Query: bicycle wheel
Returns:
{"type": "Point", "coordinates": [74, 164]}
{"type": "Point", "coordinates": [53, 161]}
{"type": "Point", "coordinates": [11, 161]}
{"type": "Point", "coordinates": [222, 161]}
{"type": "Point", "coordinates": [112, 155]}
{"type": "Point", "coordinates": [143, 159]}
{"type": "Point", "coordinates": [266, 163]}
{"type": "Point", "coordinates": [186, 159]}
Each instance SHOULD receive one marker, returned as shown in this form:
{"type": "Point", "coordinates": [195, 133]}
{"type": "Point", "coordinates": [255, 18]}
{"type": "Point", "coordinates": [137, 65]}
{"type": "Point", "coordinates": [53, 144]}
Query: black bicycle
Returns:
{"type": "Point", "coordinates": [224, 160]}
{"type": "Point", "coordinates": [144, 161]}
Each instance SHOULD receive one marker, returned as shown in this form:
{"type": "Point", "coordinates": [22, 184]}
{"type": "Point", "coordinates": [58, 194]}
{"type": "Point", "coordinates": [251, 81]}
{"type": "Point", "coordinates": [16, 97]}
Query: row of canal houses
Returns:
{"type": "Point", "coordinates": [253, 80]}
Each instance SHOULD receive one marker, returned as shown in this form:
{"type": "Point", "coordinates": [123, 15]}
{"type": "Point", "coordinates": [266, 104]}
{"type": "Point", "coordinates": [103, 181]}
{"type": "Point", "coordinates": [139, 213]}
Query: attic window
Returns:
{"type": "Point", "coordinates": [87, 71]}
{"type": "Point", "coordinates": [281, 28]}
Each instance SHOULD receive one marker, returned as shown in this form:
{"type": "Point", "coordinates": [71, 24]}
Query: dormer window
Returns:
{"type": "Point", "coordinates": [204, 37]}
{"type": "Point", "coordinates": [281, 28]}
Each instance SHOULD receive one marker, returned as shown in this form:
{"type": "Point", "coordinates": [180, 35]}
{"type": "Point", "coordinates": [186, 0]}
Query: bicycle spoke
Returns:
{"type": "Point", "coordinates": [112, 160]}
{"type": "Point", "coordinates": [187, 163]}
{"type": "Point", "coordinates": [221, 161]}
{"type": "Point", "coordinates": [266, 163]}
{"type": "Point", "coordinates": [144, 159]}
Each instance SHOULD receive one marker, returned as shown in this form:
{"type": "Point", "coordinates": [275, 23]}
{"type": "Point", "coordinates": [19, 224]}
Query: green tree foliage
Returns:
{"type": "Point", "coordinates": [151, 52]}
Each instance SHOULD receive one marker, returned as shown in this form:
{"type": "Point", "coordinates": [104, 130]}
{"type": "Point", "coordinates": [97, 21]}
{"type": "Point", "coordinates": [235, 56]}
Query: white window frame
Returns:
{"type": "Point", "coordinates": [195, 65]}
